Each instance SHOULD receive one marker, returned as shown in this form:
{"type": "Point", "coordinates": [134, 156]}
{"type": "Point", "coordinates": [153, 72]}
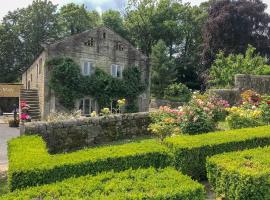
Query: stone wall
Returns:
{"type": "Point", "coordinates": [76, 134]}
{"type": "Point", "coordinates": [258, 83]}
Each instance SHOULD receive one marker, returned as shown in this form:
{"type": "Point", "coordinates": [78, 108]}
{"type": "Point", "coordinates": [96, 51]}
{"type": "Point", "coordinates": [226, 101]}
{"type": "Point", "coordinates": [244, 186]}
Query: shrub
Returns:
{"type": "Point", "coordinates": [200, 115]}
{"type": "Point", "coordinates": [131, 184]}
{"type": "Point", "coordinates": [254, 110]}
{"type": "Point", "coordinates": [31, 165]}
{"type": "Point", "coordinates": [178, 92]}
{"type": "Point", "coordinates": [191, 151]}
{"type": "Point", "coordinates": [225, 68]}
{"type": "Point", "coordinates": [241, 175]}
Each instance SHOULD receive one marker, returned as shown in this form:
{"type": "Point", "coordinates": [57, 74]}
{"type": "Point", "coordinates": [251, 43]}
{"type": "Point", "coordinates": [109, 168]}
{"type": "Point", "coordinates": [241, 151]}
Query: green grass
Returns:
{"type": "Point", "coordinates": [131, 184]}
{"type": "Point", "coordinates": [30, 164]}
{"type": "Point", "coordinates": [241, 175]}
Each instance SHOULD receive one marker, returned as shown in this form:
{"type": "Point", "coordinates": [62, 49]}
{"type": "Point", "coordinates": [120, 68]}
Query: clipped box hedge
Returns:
{"type": "Point", "coordinates": [241, 175]}
{"type": "Point", "coordinates": [191, 151]}
{"type": "Point", "coordinates": [131, 184]}
{"type": "Point", "coordinates": [31, 165]}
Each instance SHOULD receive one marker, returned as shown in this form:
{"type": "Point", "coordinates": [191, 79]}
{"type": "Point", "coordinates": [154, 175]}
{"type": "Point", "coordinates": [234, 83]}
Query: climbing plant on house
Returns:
{"type": "Point", "coordinates": [69, 85]}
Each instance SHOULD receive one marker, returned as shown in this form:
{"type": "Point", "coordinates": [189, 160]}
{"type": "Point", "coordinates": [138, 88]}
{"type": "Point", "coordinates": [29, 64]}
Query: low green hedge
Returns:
{"type": "Point", "coordinates": [131, 184]}
{"type": "Point", "coordinates": [191, 151]}
{"type": "Point", "coordinates": [241, 175]}
{"type": "Point", "coordinates": [31, 165]}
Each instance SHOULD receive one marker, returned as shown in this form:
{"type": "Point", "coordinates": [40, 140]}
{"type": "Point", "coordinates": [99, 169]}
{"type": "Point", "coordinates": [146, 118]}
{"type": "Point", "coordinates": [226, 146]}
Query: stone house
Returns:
{"type": "Point", "coordinates": [97, 48]}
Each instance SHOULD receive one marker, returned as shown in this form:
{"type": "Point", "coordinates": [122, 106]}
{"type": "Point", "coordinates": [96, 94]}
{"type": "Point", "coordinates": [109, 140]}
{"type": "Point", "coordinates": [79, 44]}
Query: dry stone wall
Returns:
{"type": "Point", "coordinates": [258, 83]}
{"type": "Point", "coordinates": [76, 134]}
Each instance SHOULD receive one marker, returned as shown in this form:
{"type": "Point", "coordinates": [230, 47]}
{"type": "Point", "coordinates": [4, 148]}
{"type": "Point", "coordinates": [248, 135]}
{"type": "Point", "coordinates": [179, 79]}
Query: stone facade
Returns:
{"type": "Point", "coordinates": [101, 48]}
{"type": "Point", "coordinates": [76, 134]}
{"type": "Point", "coordinates": [258, 83]}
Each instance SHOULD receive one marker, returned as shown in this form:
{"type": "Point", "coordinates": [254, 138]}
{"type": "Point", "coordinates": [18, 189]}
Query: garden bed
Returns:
{"type": "Point", "coordinates": [132, 184]}
{"type": "Point", "coordinates": [241, 175]}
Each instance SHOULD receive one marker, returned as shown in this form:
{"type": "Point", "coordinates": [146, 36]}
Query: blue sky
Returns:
{"type": "Point", "coordinates": [99, 5]}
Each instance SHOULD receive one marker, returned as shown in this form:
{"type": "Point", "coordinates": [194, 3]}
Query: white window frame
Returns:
{"type": "Point", "coordinates": [117, 67]}
{"type": "Point", "coordinates": [91, 102]}
{"type": "Point", "coordinates": [90, 68]}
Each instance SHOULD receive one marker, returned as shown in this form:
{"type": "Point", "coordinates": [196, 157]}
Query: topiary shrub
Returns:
{"type": "Point", "coordinates": [131, 184]}
{"type": "Point", "coordinates": [191, 151]}
{"type": "Point", "coordinates": [241, 175]}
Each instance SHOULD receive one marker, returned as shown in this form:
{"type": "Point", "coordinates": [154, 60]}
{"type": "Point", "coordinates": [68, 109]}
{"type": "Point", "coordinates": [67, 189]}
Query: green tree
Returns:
{"type": "Point", "coordinates": [113, 19]}
{"type": "Point", "coordinates": [75, 19]}
{"type": "Point", "coordinates": [162, 69]}
{"type": "Point", "coordinates": [225, 68]}
{"type": "Point", "coordinates": [28, 28]}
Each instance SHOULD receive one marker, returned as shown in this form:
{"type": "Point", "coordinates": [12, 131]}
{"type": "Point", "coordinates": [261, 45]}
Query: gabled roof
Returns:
{"type": "Point", "coordinates": [89, 31]}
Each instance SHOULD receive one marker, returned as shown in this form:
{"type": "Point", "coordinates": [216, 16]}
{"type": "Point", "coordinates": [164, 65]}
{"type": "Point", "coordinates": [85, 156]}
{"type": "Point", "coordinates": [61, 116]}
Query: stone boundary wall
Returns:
{"type": "Point", "coordinates": [156, 103]}
{"type": "Point", "coordinates": [258, 83]}
{"type": "Point", "coordinates": [76, 134]}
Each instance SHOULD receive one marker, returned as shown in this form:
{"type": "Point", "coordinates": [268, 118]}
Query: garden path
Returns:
{"type": "Point", "coordinates": [6, 134]}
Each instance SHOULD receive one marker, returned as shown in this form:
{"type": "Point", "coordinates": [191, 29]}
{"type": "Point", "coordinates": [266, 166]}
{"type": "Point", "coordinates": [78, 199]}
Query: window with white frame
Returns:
{"type": "Point", "coordinates": [87, 68]}
{"type": "Point", "coordinates": [87, 106]}
{"type": "Point", "coordinates": [116, 71]}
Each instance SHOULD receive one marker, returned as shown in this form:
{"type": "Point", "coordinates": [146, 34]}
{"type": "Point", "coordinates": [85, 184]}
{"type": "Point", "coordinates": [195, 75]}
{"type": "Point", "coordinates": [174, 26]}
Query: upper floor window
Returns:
{"type": "Point", "coordinates": [119, 46]}
{"type": "Point", "coordinates": [90, 42]}
{"type": "Point", "coordinates": [116, 71]}
{"type": "Point", "coordinates": [87, 68]}
{"type": "Point", "coordinates": [104, 35]}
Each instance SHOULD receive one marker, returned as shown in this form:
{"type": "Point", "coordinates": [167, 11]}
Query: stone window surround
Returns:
{"type": "Point", "coordinates": [117, 68]}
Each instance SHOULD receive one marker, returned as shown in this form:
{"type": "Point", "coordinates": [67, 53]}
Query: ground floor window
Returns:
{"type": "Point", "coordinates": [87, 106]}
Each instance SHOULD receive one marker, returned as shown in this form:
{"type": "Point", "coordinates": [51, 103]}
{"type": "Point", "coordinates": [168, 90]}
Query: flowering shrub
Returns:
{"type": "Point", "coordinates": [254, 110]}
{"type": "Point", "coordinates": [25, 117]}
{"type": "Point", "coordinates": [200, 115]}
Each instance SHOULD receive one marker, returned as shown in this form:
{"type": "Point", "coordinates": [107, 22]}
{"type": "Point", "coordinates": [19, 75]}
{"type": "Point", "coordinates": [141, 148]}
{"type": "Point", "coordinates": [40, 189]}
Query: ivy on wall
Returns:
{"type": "Point", "coordinates": [68, 83]}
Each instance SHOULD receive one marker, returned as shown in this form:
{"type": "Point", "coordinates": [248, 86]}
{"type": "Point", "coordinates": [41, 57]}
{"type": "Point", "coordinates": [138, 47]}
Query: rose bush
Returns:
{"type": "Point", "coordinates": [254, 110]}
{"type": "Point", "coordinates": [200, 115]}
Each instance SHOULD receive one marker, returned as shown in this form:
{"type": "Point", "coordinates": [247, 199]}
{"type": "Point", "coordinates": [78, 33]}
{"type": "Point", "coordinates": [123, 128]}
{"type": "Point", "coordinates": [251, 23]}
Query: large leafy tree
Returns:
{"type": "Point", "coordinates": [162, 69]}
{"type": "Point", "coordinates": [114, 20]}
{"type": "Point", "coordinates": [75, 19]}
{"type": "Point", "coordinates": [25, 30]}
{"type": "Point", "coordinates": [232, 25]}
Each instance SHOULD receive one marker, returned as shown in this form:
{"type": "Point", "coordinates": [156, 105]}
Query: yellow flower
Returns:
{"type": "Point", "coordinates": [94, 114]}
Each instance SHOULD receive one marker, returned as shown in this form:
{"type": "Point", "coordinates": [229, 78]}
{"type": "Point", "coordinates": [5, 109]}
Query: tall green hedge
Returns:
{"type": "Point", "coordinates": [31, 165]}
{"type": "Point", "coordinates": [241, 175]}
{"type": "Point", "coordinates": [131, 184]}
{"type": "Point", "coordinates": [191, 151]}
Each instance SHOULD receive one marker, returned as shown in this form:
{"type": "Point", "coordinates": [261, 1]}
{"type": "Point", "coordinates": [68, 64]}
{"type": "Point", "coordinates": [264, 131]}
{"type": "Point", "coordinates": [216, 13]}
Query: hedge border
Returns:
{"type": "Point", "coordinates": [190, 152]}
{"type": "Point", "coordinates": [241, 175]}
{"type": "Point", "coordinates": [30, 164]}
{"type": "Point", "coordinates": [131, 184]}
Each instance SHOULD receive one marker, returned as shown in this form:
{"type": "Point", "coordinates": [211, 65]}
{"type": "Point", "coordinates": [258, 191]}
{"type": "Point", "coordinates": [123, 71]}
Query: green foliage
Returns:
{"type": "Point", "coordinates": [70, 85]}
{"type": "Point", "coordinates": [76, 19]}
{"type": "Point", "coordinates": [225, 68]}
{"type": "Point", "coordinates": [191, 151]}
{"type": "Point", "coordinates": [113, 19]}
{"type": "Point", "coordinates": [241, 175]}
{"type": "Point", "coordinates": [31, 165]}
{"type": "Point", "coordinates": [162, 74]}
{"type": "Point", "coordinates": [236, 121]}
{"type": "Point", "coordinates": [24, 30]}
{"type": "Point", "coordinates": [131, 184]}
{"type": "Point", "coordinates": [178, 92]}
{"type": "Point", "coordinates": [64, 80]}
